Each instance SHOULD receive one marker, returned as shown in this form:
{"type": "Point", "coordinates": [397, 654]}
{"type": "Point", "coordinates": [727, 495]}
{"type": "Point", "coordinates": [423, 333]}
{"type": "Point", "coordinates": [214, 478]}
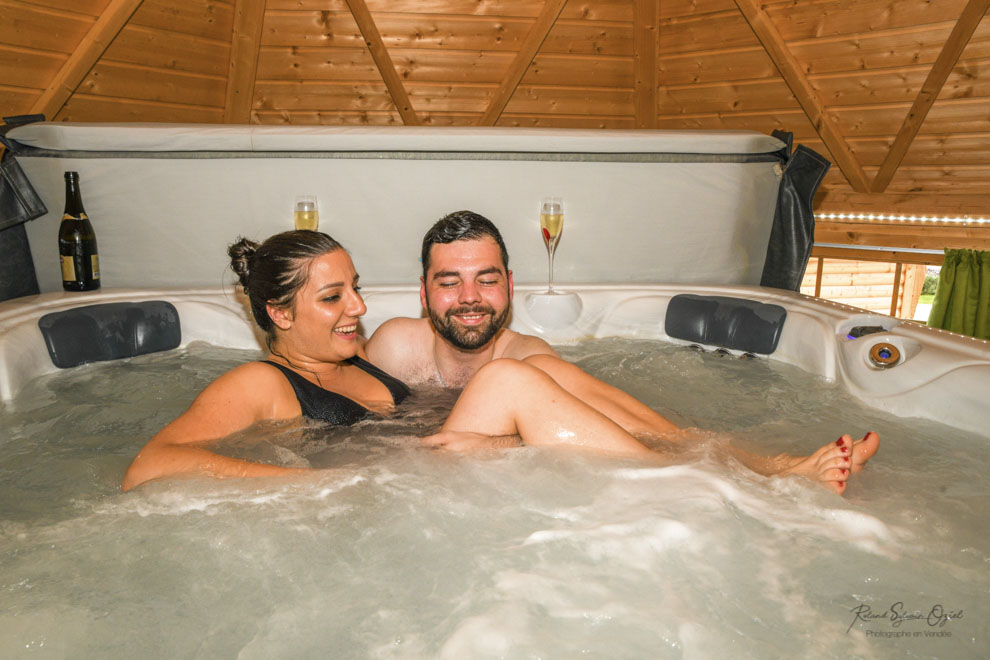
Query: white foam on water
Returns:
{"type": "Point", "coordinates": [166, 499]}
{"type": "Point", "coordinates": [399, 552]}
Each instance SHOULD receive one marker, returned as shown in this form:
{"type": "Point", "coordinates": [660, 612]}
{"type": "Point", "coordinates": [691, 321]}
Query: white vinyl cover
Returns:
{"type": "Point", "coordinates": [208, 137]}
{"type": "Point", "coordinates": [640, 206]}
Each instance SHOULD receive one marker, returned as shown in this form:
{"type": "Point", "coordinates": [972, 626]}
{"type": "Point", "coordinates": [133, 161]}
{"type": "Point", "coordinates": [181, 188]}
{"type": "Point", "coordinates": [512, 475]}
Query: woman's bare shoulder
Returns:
{"type": "Point", "coordinates": [251, 391]}
{"type": "Point", "coordinates": [247, 375]}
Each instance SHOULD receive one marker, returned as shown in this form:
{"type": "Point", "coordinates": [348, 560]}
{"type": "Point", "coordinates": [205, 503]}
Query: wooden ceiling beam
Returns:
{"type": "Point", "coordinates": [245, 44]}
{"type": "Point", "coordinates": [925, 203]}
{"type": "Point", "coordinates": [524, 58]}
{"type": "Point", "coordinates": [805, 94]}
{"type": "Point", "coordinates": [92, 46]}
{"type": "Point", "coordinates": [968, 21]}
{"type": "Point", "coordinates": [393, 82]}
{"type": "Point", "coordinates": [646, 47]}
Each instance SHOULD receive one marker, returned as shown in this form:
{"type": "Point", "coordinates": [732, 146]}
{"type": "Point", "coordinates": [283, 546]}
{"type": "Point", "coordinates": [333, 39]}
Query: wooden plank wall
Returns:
{"type": "Point", "coordinates": [167, 64]}
{"type": "Point", "coordinates": [866, 284]}
{"type": "Point", "coordinates": [451, 57]}
{"type": "Point", "coordinates": [860, 63]}
{"type": "Point", "coordinates": [866, 60]}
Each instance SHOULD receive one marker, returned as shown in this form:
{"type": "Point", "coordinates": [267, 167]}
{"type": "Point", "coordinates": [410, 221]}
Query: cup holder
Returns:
{"type": "Point", "coordinates": [553, 311]}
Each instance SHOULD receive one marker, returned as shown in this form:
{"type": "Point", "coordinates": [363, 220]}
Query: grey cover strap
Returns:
{"type": "Point", "coordinates": [793, 231]}
{"type": "Point", "coordinates": [18, 200]}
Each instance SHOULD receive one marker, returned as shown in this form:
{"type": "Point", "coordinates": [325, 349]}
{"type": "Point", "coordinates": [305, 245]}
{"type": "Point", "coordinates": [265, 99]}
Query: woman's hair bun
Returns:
{"type": "Point", "coordinates": [240, 254]}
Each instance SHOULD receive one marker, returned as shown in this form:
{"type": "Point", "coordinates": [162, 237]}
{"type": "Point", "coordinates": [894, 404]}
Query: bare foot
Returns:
{"type": "Point", "coordinates": [829, 466]}
{"type": "Point", "coordinates": [864, 449]}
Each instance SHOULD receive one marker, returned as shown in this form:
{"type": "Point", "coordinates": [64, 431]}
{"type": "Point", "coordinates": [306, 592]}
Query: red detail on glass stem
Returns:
{"type": "Point", "coordinates": [546, 234]}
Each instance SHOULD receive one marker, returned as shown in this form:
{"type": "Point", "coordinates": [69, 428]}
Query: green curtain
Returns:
{"type": "Point", "coordinates": [962, 299]}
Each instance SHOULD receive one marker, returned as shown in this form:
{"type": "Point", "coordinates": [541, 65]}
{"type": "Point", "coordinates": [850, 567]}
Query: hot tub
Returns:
{"type": "Point", "coordinates": [395, 551]}
{"type": "Point", "coordinates": [391, 550]}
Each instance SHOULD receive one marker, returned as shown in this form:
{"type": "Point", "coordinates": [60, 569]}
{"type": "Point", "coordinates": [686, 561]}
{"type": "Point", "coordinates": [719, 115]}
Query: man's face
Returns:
{"type": "Point", "coordinates": [467, 291]}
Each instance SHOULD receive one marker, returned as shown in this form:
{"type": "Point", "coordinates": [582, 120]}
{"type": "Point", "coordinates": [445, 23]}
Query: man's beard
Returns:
{"type": "Point", "coordinates": [470, 338]}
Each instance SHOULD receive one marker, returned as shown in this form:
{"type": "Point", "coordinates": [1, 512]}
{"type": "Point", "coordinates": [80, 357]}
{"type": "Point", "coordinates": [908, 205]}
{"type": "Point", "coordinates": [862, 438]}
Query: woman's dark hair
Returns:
{"type": "Point", "coordinates": [273, 272]}
{"type": "Point", "coordinates": [461, 226]}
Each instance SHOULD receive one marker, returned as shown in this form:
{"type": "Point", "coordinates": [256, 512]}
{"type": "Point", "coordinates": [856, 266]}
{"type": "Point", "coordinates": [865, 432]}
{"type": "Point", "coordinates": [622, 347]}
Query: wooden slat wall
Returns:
{"type": "Point", "coordinates": [862, 62]}
{"type": "Point", "coordinates": [866, 284]}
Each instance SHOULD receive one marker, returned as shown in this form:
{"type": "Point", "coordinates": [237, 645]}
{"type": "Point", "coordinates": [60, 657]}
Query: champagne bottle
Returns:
{"type": "Point", "coordinates": [77, 242]}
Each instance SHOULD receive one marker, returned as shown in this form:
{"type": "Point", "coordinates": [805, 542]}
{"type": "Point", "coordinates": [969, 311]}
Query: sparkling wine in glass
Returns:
{"type": "Point", "coordinates": [307, 213]}
{"type": "Point", "coordinates": [551, 226]}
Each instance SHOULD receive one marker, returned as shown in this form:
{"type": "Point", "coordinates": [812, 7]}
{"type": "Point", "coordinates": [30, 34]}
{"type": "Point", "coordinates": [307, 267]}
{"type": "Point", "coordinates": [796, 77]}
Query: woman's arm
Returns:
{"type": "Point", "coordinates": [237, 399]}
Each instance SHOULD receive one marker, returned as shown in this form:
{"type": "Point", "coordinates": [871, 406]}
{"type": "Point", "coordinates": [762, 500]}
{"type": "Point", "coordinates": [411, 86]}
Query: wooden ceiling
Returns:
{"type": "Point", "coordinates": [895, 92]}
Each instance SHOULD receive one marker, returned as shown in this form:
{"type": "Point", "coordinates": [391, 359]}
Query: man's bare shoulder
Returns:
{"type": "Point", "coordinates": [519, 346]}
{"type": "Point", "coordinates": [400, 346]}
{"type": "Point", "coordinates": [400, 330]}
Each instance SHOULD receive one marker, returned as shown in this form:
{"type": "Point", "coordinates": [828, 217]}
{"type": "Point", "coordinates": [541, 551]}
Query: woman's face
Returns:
{"type": "Point", "coordinates": [324, 316]}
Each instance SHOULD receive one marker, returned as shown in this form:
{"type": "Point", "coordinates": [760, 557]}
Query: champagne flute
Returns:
{"type": "Point", "coordinates": [307, 213]}
{"type": "Point", "coordinates": [551, 226]}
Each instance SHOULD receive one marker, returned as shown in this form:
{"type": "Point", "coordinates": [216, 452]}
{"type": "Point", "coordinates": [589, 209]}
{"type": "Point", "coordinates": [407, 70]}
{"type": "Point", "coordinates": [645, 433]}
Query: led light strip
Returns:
{"type": "Point", "coordinates": [883, 217]}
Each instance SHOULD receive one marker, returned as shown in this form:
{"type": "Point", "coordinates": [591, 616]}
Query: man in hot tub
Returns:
{"type": "Point", "coordinates": [466, 290]}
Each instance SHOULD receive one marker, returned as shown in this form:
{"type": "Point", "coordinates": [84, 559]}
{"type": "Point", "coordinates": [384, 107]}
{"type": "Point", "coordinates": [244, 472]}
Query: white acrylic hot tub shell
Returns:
{"type": "Point", "coordinates": [941, 376]}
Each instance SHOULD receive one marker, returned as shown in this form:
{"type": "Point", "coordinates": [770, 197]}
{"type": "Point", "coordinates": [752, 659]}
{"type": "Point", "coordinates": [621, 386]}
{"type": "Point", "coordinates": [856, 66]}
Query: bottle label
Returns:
{"type": "Point", "coordinates": [69, 216]}
{"type": "Point", "coordinates": [96, 266]}
{"type": "Point", "coordinates": [68, 268]}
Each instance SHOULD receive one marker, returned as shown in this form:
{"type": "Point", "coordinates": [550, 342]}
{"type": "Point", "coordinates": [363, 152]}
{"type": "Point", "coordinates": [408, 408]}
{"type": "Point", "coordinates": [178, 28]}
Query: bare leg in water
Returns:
{"type": "Point", "coordinates": [638, 419]}
{"type": "Point", "coordinates": [511, 398]}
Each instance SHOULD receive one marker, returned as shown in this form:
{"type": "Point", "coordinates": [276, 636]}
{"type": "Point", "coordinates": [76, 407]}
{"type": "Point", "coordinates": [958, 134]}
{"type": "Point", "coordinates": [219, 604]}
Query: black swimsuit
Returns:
{"type": "Point", "coordinates": [337, 409]}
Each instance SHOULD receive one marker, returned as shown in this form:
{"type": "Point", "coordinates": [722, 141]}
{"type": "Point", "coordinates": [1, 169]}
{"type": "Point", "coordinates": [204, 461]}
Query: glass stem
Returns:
{"type": "Point", "coordinates": [550, 272]}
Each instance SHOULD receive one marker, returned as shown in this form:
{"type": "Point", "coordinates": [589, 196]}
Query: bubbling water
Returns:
{"type": "Point", "coordinates": [389, 550]}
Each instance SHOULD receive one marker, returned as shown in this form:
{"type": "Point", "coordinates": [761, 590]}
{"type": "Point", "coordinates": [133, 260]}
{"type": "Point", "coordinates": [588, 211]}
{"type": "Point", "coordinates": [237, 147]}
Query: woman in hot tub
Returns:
{"type": "Point", "coordinates": [304, 295]}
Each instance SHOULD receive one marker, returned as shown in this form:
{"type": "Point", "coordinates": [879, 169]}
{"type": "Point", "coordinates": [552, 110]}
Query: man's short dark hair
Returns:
{"type": "Point", "coordinates": [461, 226]}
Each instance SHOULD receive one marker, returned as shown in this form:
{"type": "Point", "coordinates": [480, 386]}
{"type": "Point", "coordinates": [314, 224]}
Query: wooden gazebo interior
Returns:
{"type": "Point", "coordinates": [896, 93]}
